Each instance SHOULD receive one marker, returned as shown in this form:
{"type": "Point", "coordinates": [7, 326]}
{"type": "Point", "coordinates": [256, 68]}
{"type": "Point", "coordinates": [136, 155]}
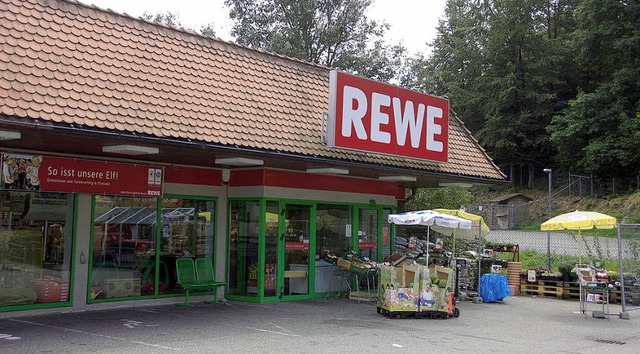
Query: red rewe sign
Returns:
{"type": "Point", "coordinates": [56, 174]}
{"type": "Point", "coordinates": [371, 116]}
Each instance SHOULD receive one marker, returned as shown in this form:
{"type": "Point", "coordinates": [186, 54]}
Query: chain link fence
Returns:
{"type": "Point", "coordinates": [502, 216]}
{"type": "Point", "coordinates": [629, 241]}
{"type": "Point", "coordinates": [564, 247]}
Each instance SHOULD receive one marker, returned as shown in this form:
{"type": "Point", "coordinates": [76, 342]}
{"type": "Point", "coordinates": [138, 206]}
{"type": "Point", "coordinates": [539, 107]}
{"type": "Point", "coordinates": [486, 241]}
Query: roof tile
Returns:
{"type": "Point", "coordinates": [97, 68]}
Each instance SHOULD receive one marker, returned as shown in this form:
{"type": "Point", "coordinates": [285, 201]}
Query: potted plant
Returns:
{"type": "Point", "coordinates": [566, 269]}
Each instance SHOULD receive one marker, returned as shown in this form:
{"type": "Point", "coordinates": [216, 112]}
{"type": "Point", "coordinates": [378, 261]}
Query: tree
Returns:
{"type": "Point", "coordinates": [503, 64]}
{"type": "Point", "coordinates": [333, 33]}
{"type": "Point", "coordinates": [171, 19]}
{"type": "Point", "coordinates": [600, 129]}
{"type": "Point", "coordinates": [168, 18]}
{"type": "Point", "coordinates": [445, 198]}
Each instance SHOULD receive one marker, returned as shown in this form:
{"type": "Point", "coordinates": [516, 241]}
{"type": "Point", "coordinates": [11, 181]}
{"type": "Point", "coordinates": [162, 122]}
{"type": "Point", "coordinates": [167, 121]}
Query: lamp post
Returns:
{"type": "Point", "coordinates": [549, 172]}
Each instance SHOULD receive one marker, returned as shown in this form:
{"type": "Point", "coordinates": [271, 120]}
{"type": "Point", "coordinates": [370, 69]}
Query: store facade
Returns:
{"type": "Point", "coordinates": [127, 145]}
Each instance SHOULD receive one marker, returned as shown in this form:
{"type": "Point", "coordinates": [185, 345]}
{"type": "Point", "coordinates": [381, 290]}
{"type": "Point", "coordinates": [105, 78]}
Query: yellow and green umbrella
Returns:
{"type": "Point", "coordinates": [579, 220]}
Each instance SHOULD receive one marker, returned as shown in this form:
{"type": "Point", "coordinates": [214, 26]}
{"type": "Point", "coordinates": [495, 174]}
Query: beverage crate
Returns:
{"type": "Point", "coordinates": [344, 264]}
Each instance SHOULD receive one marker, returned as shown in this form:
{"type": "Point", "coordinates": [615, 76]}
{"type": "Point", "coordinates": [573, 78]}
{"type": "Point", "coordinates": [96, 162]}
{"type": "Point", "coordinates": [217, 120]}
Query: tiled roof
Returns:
{"type": "Point", "coordinates": [68, 63]}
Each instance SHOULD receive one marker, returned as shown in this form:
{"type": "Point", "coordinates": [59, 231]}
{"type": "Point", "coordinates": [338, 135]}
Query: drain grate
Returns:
{"type": "Point", "coordinates": [610, 341]}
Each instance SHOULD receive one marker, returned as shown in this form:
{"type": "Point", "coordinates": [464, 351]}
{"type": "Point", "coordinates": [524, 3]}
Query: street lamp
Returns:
{"type": "Point", "coordinates": [549, 172]}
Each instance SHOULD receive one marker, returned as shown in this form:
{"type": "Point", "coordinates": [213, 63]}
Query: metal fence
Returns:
{"type": "Point", "coordinates": [502, 216]}
{"type": "Point", "coordinates": [629, 256]}
{"type": "Point", "coordinates": [619, 255]}
{"type": "Point", "coordinates": [564, 247]}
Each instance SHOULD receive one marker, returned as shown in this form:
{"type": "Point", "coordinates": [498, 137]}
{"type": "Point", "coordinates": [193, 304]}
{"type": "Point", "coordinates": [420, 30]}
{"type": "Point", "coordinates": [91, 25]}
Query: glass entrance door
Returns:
{"type": "Point", "coordinates": [368, 233]}
{"type": "Point", "coordinates": [296, 241]}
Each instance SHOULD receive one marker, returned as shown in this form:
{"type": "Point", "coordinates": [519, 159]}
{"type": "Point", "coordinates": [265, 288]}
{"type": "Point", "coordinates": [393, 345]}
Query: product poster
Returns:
{"type": "Point", "coordinates": [55, 174]}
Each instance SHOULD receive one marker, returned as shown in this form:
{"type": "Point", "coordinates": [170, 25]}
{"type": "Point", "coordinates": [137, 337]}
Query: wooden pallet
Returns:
{"type": "Point", "coordinates": [363, 295]}
{"type": "Point", "coordinates": [571, 293]}
{"type": "Point", "coordinates": [541, 290]}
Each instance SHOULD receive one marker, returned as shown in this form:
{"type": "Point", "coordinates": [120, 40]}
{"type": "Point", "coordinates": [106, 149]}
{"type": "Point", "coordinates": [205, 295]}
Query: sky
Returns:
{"type": "Point", "coordinates": [413, 22]}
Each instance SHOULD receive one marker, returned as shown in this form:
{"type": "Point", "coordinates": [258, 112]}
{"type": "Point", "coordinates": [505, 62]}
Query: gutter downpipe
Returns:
{"type": "Point", "coordinates": [408, 199]}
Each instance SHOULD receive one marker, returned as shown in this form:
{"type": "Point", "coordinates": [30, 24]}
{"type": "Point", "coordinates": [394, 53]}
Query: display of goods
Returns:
{"type": "Point", "coordinates": [51, 289]}
{"type": "Point", "coordinates": [362, 268]}
{"type": "Point", "coordinates": [414, 288]}
{"type": "Point", "coordinates": [343, 263]}
{"type": "Point", "coordinates": [395, 258]}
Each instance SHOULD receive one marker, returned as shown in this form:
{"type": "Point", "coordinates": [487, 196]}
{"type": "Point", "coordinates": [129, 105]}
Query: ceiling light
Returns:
{"type": "Point", "coordinates": [239, 161]}
{"type": "Point", "coordinates": [9, 135]}
{"type": "Point", "coordinates": [328, 170]}
{"type": "Point", "coordinates": [397, 178]}
{"type": "Point", "coordinates": [455, 184]}
{"type": "Point", "coordinates": [130, 149]}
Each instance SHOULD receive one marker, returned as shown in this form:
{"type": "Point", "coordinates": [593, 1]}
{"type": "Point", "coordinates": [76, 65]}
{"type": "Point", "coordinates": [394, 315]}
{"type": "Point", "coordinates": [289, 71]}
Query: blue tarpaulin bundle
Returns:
{"type": "Point", "coordinates": [494, 287]}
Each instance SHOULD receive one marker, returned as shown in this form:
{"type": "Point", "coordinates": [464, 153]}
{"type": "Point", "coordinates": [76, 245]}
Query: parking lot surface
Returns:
{"type": "Point", "coordinates": [517, 324]}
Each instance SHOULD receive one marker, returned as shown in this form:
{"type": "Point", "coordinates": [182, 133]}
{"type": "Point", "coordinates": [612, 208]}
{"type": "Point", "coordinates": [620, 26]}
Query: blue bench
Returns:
{"type": "Point", "coordinates": [197, 275]}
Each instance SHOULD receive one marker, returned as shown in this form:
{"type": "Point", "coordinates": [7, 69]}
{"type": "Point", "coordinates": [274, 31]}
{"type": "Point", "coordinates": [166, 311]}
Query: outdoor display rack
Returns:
{"type": "Point", "coordinates": [412, 290]}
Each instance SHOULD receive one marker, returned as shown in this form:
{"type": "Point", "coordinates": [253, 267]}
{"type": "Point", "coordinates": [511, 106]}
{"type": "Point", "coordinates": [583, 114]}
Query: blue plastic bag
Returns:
{"type": "Point", "coordinates": [494, 287]}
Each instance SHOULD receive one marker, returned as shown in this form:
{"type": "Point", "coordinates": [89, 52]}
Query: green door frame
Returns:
{"type": "Point", "coordinates": [282, 203]}
{"type": "Point", "coordinates": [282, 250]}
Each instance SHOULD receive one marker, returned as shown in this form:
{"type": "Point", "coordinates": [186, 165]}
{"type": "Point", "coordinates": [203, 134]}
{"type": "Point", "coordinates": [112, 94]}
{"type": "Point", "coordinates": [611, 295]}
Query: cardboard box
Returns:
{"type": "Point", "coordinates": [122, 287]}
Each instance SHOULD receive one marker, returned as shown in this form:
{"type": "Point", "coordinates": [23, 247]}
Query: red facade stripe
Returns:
{"type": "Point", "coordinates": [298, 180]}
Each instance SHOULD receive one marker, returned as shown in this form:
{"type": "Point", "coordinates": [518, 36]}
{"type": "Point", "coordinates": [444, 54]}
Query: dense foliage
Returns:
{"type": "Point", "coordinates": [439, 198]}
{"type": "Point", "coordinates": [543, 83]}
{"type": "Point", "coordinates": [334, 33]}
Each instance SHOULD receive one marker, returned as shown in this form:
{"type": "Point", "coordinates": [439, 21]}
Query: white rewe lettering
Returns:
{"type": "Point", "coordinates": [378, 118]}
{"type": "Point", "coordinates": [352, 117]}
{"type": "Point", "coordinates": [408, 120]}
{"type": "Point", "coordinates": [434, 129]}
{"type": "Point", "coordinates": [370, 116]}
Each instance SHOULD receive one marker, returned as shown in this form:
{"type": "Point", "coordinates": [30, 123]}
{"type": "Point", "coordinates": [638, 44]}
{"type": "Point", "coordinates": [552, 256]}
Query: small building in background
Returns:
{"type": "Point", "coordinates": [509, 210]}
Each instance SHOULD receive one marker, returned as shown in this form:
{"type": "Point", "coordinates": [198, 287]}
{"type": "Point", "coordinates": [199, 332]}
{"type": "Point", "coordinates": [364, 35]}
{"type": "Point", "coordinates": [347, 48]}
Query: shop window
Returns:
{"type": "Point", "coordinates": [35, 247]}
{"type": "Point", "coordinates": [386, 233]}
{"type": "Point", "coordinates": [368, 233]}
{"type": "Point", "coordinates": [333, 231]}
{"type": "Point", "coordinates": [126, 261]}
{"type": "Point", "coordinates": [124, 247]}
{"type": "Point", "coordinates": [187, 231]}
{"type": "Point", "coordinates": [244, 234]}
{"type": "Point", "coordinates": [271, 248]}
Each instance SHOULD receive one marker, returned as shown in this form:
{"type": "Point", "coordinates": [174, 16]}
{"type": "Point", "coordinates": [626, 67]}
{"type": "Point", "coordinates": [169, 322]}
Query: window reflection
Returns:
{"type": "Point", "coordinates": [126, 261]}
{"type": "Point", "coordinates": [243, 247]}
{"type": "Point", "coordinates": [35, 247]}
{"type": "Point", "coordinates": [333, 230]}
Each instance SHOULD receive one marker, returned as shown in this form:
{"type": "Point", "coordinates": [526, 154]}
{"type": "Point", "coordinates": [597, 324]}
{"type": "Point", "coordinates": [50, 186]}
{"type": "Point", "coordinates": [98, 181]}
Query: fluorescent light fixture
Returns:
{"type": "Point", "coordinates": [455, 184]}
{"type": "Point", "coordinates": [398, 178]}
{"type": "Point", "coordinates": [130, 149]}
{"type": "Point", "coordinates": [328, 171]}
{"type": "Point", "coordinates": [9, 135]}
{"type": "Point", "coordinates": [239, 161]}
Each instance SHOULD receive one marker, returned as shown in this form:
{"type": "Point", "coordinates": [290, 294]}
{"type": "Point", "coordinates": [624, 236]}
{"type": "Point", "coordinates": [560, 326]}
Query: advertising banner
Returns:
{"type": "Point", "coordinates": [56, 174]}
{"type": "Point", "coordinates": [371, 116]}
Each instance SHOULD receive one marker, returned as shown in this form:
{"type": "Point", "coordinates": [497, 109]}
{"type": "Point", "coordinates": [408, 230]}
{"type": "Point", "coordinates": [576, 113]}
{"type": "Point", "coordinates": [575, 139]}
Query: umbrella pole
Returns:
{"type": "Point", "coordinates": [454, 243]}
{"type": "Point", "coordinates": [579, 247]}
{"type": "Point", "coordinates": [428, 246]}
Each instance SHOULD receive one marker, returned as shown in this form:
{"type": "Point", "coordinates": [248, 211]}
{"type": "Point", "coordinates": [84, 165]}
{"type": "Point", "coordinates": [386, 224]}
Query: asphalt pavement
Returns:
{"type": "Point", "coordinates": [517, 324]}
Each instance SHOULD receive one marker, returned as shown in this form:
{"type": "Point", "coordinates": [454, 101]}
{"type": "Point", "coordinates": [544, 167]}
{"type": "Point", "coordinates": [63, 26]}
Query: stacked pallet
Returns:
{"type": "Point", "coordinates": [543, 288]}
{"type": "Point", "coordinates": [513, 275]}
{"type": "Point", "coordinates": [568, 291]}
